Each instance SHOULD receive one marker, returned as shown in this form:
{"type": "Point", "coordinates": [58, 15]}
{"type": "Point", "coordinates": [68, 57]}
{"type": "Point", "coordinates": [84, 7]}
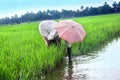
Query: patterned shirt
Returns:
{"type": "Point", "coordinates": [47, 29]}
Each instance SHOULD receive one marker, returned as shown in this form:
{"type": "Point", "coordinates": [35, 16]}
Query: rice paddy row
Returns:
{"type": "Point", "coordinates": [24, 55]}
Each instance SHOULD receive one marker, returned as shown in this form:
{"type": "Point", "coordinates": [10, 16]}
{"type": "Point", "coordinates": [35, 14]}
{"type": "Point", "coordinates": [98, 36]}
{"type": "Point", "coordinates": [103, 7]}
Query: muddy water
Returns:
{"type": "Point", "coordinates": [105, 65]}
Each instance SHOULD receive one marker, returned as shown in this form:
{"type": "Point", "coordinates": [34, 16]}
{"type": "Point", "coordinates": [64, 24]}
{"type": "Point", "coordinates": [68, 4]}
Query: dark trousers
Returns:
{"type": "Point", "coordinates": [69, 52]}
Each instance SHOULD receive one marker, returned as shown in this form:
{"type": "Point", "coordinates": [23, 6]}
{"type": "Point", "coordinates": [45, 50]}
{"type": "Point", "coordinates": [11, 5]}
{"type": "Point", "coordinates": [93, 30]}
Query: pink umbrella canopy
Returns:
{"type": "Point", "coordinates": [70, 31]}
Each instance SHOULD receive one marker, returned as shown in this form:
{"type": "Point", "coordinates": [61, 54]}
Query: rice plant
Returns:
{"type": "Point", "coordinates": [24, 55]}
{"type": "Point", "coordinates": [99, 30]}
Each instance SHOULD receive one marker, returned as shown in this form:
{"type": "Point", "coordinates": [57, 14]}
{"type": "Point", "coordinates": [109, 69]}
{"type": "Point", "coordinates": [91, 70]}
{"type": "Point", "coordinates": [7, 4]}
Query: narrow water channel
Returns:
{"type": "Point", "coordinates": [105, 65]}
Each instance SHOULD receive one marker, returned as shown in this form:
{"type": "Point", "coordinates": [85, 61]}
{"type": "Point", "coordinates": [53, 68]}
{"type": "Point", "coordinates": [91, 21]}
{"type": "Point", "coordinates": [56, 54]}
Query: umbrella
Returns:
{"type": "Point", "coordinates": [70, 31]}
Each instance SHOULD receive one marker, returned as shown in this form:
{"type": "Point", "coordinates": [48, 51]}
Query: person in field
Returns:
{"type": "Point", "coordinates": [48, 32]}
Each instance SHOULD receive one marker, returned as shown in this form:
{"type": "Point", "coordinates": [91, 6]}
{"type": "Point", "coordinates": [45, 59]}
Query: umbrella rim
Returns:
{"type": "Point", "coordinates": [76, 26]}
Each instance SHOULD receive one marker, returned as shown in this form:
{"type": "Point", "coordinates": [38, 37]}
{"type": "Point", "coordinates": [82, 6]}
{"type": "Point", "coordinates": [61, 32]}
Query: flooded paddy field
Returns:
{"type": "Point", "coordinates": [102, 66]}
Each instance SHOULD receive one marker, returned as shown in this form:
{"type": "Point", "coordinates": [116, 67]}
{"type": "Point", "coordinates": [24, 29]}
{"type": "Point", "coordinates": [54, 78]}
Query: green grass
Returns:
{"type": "Point", "coordinates": [24, 55]}
{"type": "Point", "coordinates": [99, 29]}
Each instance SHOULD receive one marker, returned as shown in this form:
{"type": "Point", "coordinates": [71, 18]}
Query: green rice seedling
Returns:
{"type": "Point", "coordinates": [24, 55]}
{"type": "Point", "coordinates": [99, 29]}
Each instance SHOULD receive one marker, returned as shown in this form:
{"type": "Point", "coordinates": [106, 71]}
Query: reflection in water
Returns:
{"type": "Point", "coordinates": [68, 71]}
{"type": "Point", "coordinates": [72, 74]}
{"type": "Point", "coordinates": [103, 66]}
